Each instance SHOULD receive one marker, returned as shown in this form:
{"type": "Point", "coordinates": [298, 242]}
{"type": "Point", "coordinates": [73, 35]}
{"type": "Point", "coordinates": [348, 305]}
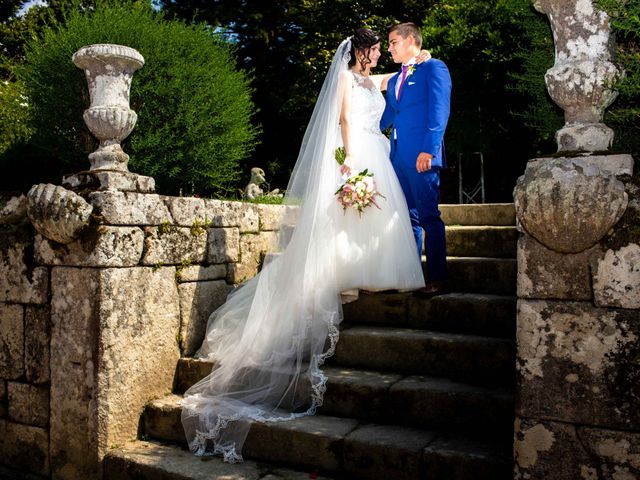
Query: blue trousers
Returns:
{"type": "Point", "coordinates": [422, 191]}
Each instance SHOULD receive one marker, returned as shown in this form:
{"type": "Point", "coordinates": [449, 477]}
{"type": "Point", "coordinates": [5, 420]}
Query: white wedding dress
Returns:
{"type": "Point", "coordinates": [270, 338]}
{"type": "Point", "coordinates": [375, 250]}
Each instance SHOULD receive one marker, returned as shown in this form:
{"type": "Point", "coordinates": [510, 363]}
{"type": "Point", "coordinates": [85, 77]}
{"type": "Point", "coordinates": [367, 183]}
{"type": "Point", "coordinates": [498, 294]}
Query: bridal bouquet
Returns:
{"type": "Point", "coordinates": [358, 191]}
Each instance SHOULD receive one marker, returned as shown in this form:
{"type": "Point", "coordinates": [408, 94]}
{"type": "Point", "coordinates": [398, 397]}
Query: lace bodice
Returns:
{"type": "Point", "coordinates": [367, 105]}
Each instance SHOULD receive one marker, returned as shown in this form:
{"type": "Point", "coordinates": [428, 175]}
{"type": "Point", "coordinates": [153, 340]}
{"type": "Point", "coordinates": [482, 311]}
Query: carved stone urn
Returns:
{"type": "Point", "coordinates": [581, 79]}
{"type": "Point", "coordinates": [569, 203]}
{"type": "Point", "coordinates": [109, 69]}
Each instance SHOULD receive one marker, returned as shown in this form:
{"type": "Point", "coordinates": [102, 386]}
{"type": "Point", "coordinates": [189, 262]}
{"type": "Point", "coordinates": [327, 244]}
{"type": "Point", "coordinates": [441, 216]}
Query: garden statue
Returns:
{"type": "Point", "coordinates": [253, 190]}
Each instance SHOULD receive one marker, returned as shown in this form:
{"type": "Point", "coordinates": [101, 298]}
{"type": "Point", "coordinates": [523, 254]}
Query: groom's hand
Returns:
{"type": "Point", "coordinates": [423, 163]}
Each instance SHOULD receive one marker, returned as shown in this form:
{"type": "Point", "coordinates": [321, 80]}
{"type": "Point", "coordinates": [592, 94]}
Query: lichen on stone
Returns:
{"type": "Point", "coordinates": [573, 331]}
{"type": "Point", "coordinates": [530, 442]}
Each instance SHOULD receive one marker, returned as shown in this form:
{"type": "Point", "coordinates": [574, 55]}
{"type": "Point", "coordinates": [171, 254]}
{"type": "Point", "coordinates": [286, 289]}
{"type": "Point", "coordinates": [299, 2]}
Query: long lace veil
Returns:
{"type": "Point", "coordinates": [270, 338]}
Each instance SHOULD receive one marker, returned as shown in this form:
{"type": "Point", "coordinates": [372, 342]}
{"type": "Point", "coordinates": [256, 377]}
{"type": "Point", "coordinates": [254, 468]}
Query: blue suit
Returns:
{"type": "Point", "coordinates": [419, 119]}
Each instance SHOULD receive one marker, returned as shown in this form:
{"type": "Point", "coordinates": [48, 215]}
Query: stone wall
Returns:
{"type": "Point", "coordinates": [91, 330]}
{"type": "Point", "coordinates": [578, 332]}
{"type": "Point", "coordinates": [25, 335]}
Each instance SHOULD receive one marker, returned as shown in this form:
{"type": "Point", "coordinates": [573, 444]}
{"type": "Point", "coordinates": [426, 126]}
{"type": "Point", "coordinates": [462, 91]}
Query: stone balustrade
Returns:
{"type": "Point", "coordinates": [90, 330]}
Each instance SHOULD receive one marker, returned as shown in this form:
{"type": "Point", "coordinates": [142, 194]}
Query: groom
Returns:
{"type": "Point", "coordinates": [417, 110]}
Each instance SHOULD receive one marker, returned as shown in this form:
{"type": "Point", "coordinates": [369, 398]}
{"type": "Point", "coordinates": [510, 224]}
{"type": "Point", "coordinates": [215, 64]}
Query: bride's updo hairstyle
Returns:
{"type": "Point", "coordinates": [361, 43]}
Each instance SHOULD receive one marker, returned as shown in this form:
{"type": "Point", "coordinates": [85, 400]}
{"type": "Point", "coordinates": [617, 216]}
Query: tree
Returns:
{"type": "Point", "coordinates": [486, 45]}
{"type": "Point", "coordinates": [288, 46]}
{"type": "Point", "coordinates": [540, 114]}
{"type": "Point", "coordinates": [194, 109]}
{"type": "Point", "coordinates": [14, 115]}
{"type": "Point", "coordinates": [8, 8]}
{"type": "Point", "coordinates": [16, 31]}
{"type": "Point", "coordinates": [21, 164]}
{"type": "Point", "coordinates": [624, 115]}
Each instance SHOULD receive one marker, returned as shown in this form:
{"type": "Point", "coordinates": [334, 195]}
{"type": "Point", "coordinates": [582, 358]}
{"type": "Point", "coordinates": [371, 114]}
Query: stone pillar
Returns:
{"type": "Point", "coordinates": [113, 349]}
{"type": "Point", "coordinates": [113, 321]}
{"type": "Point", "coordinates": [578, 328]}
{"type": "Point", "coordinates": [581, 77]}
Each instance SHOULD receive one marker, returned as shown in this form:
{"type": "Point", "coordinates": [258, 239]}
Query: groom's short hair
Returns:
{"type": "Point", "coordinates": [408, 29]}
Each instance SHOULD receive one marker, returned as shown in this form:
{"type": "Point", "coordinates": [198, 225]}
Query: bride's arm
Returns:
{"type": "Point", "coordinates": [381, 80]}
{"type": "Point", "coordinates": [344, 91]}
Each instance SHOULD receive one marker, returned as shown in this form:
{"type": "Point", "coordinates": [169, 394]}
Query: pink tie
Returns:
{"type": "Point", "coordinates": [402, 79]}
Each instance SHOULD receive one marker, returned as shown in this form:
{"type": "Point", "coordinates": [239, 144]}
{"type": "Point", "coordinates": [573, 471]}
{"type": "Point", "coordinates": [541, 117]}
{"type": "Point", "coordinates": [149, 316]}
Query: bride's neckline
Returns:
{"type": "Point", "coordinates": [363, 81]}
{"type": "Point", "coordinates": [355, 72]}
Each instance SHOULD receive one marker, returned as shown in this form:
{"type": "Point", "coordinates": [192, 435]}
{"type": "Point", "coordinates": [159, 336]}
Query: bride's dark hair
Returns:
{"type": "Point", "coordinates": [361, 41]}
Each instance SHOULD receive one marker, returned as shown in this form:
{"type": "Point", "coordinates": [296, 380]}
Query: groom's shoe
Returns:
{"type": "Point", "coordinates": [432, 289]}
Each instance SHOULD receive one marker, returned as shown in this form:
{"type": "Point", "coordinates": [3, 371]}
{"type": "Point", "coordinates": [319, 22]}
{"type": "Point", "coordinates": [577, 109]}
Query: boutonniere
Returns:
{"type": "Point", "coordinates": [411, 69]}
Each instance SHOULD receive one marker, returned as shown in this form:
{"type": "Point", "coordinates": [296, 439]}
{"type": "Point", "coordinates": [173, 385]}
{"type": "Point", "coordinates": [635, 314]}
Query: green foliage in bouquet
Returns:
{"type": "Point", "coordinates": [194, 109]}
{"type": "Point", "coordinates": [340, 155]}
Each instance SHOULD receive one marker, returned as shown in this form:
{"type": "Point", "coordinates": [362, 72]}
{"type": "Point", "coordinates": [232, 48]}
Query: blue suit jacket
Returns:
{"type": "Point", "coordinates": [420, 115]}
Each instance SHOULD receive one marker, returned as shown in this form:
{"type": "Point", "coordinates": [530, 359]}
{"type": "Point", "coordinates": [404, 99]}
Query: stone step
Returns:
{"type": "Point", "coordinates": [353, 449]}
{"type": "Point", "coordinates": [479, 214]}
{"type": "Point", "coordinates": [143, 460]}
{"type": "Point", "coordinates": [476, 359]}
{"type": "Point", "coordinates": [481, 275]}
{"type": "Point", "coordinates": [384, 397]}
{"type": "Point", "coordinates": [471, 313]}
{"type": "Point", "coordinates": [189, 371]}
{"type": "Point", "coordinates": [481, 241]}
{"type": "Point", "coordinates": [418, 401]}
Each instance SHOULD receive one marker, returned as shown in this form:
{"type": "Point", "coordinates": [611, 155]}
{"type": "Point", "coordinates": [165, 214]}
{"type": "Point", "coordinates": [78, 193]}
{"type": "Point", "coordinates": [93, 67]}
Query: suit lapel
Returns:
{"type": "Point", "coordinates": [391, 87]}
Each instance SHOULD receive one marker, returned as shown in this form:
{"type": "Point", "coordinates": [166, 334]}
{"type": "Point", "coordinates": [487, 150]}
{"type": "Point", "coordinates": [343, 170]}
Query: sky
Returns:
{"type": "Point", "coordinates": [27, 5]}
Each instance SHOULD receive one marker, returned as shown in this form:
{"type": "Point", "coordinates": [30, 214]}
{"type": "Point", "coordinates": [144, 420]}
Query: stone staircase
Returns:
{"type": "Point", "coordinates": [418, 388]}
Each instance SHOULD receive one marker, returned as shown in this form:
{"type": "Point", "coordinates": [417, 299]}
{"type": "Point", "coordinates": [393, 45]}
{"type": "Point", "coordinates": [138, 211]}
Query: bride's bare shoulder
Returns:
{"type": "Point", "coordinates": [346, 75]}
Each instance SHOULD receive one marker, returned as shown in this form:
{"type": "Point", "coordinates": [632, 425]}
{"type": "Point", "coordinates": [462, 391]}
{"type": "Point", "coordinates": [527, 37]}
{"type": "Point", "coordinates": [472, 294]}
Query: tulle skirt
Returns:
{"type": "Point", "coordinates": [376, 248]}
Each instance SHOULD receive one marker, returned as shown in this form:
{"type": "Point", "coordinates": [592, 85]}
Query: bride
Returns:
{"type": "Point", "coordinates": [270, 338]}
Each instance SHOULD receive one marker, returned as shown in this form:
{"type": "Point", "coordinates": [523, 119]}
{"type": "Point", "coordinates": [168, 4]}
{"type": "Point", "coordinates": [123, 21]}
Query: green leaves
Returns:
{"type": "Point", "coordinates": [624, 114]}
{"type": "Point", "coordinates": [288, 46]}
{"type": "Point", "coordinates": [485, 45]}
{"type": "Point", "coordinates": [14, 115]}
{"type": "Point", "coordinates": [194, 108]}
